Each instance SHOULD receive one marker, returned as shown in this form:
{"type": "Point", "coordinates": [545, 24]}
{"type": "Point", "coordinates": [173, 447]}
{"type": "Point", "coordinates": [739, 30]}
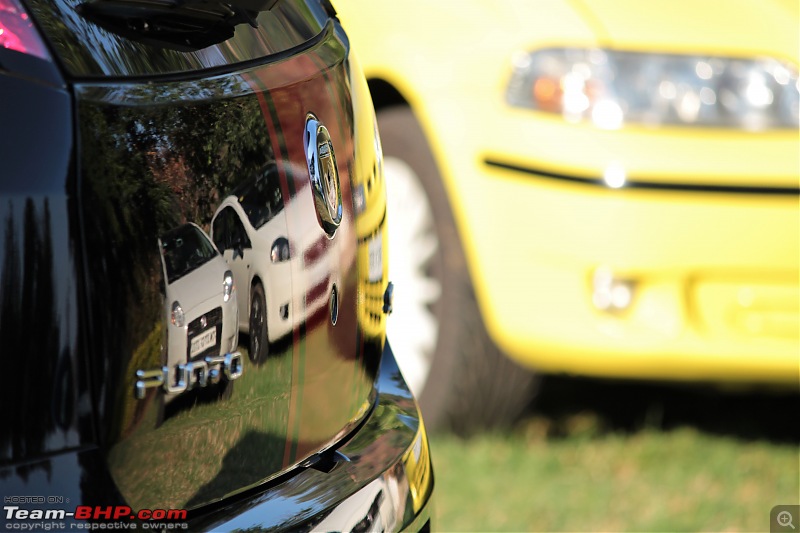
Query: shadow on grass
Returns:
{"type": "Point", "coordinates": [568, 407]}
{"type": "Point", "coordinates": [243, 466]}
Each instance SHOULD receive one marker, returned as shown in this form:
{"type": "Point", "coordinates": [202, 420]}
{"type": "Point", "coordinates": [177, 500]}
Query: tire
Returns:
{"type": "Point", "coordinates": [470, 384]}
{"type": "Point", "coordinates": [259, 338]}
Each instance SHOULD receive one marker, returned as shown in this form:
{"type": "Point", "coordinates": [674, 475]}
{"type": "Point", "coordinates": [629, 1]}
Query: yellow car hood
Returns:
{"type": "Point", "coordinates": [751, 27]}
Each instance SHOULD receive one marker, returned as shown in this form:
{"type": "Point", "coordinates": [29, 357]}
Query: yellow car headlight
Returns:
{"type": "Point", "coordinates": [612, 87]}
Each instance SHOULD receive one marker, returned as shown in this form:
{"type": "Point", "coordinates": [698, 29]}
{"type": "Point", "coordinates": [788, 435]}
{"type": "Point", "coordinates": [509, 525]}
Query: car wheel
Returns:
{"type": "Point", "coordinates": [259, 340]}
{"type": "Point", "coordinates": [462, 380]}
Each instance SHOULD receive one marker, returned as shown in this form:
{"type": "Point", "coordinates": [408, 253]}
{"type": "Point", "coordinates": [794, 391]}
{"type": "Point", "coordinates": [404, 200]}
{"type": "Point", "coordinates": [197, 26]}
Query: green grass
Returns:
{"type": "Point", "coordinates": [587, 478]}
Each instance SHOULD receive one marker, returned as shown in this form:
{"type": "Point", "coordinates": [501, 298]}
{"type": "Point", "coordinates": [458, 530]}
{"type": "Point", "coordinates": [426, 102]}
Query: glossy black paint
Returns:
{"type": "Point", "coordinates": [20, 65]}
{"type": "Point", "coordinates": [372, 464]}
{"type": "Point", "coordinates": [46, 405]}
{"type": "Point", "coordinates": [91, 51]}
{"type": "Point", "coordinates": [302, 501]}
{"type": "Point", "coordinates": [101, 170]}
{"type": "Point", "coordinates": [156, 155]}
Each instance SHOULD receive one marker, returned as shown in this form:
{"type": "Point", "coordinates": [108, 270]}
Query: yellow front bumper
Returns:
{"type": "Point", "coordinates": [715, 287]}
{"type": "Point", "coordinates": [715, 272]}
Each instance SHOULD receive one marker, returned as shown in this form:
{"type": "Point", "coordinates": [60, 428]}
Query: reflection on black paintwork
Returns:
{"type": "Point", "coordinates": [244, 227]}
{"type": "Point", "coordinates": [261, 198]}
{"type": "Point", "coordinates": [42, 398]}
{"type": "Point", "coordinates": [200, 300]}
{"type": "Point", "coordinates": [166, 153]}
{"type": "Point", "coordinates": [184, 250]}
{"type": "Point", "coordinates": [164, 166]}
{"type": "Point", "coordinates": [75, 476]}
{"type": "Point", "coordinates": [389, 498]}
{"type": "Point", "coordinates": [105, 52]}
{"type": "Point", "coordinates": [151, 188]}
{"type": "Point", "coordinates": [255, 243]}
{"type": "Point", "coordinates": [199, 332]}
{"type": "Point", "coordinates": [183, 460]}
{"type": "Point", "coordinates": [369, 205]}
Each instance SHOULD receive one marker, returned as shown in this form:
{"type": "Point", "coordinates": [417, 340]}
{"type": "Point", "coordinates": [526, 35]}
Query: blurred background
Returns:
{"type": "Point", "coordinates": [595, 244]}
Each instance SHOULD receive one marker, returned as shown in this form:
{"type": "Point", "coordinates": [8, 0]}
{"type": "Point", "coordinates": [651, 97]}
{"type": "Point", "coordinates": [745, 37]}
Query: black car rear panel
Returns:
{"type": "Point", "coordinates": [381, 480]}
{"type": "Point", "coordinates": [159, 154]}
{"type": "Point", "coordinates": [162, 138]}
{"type": "Point", "coordinates": [366, 495]}
{"type": "Point", "coordinates": [135, 141]}
{"type": "Point", "coordinates": [45, 402]}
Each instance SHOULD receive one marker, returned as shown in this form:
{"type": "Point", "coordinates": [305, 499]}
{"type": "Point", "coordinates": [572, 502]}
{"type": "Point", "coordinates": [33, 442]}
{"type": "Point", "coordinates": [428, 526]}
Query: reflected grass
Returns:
{"type": "Point", "coordinates": [200, 446]}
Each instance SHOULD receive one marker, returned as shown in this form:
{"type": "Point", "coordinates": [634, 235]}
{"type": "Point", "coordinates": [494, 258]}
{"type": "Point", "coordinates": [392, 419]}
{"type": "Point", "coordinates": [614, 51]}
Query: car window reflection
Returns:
{"type": "Point", "coordinates": [261, 199]}
{"type": "Point", "coordinates": [184, 249]}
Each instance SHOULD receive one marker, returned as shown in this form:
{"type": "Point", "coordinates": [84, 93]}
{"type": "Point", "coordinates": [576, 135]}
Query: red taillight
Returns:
{"type": "Point", "coordinates": [17, 31]}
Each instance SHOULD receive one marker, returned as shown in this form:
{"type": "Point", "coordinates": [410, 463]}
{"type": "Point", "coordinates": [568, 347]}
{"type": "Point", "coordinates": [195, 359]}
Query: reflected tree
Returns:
{"type": "Point", "coordinates": [147, 168]}
{"type": "Point", "coordinates": [29, 330]}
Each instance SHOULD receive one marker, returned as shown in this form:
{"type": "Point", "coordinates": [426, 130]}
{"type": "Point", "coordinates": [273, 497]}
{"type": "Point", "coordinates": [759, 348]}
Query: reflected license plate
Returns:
{"type": "Point", "coordinates": [375, 249]}
{"type": "Point", "coordinates": [203, 341]}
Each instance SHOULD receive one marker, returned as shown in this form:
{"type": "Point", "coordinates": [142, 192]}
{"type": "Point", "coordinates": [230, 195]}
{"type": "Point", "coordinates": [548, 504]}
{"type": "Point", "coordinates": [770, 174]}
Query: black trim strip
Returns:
{"type": "Point", "coordinates": [634, 184]}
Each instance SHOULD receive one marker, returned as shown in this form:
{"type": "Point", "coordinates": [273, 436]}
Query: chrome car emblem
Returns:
{"type": "Point", "coordinates": [203, 321]}
{"type": "Point", "coordinates": [189, 376]}
{"type": "Point", "coordinates": [323, 174]}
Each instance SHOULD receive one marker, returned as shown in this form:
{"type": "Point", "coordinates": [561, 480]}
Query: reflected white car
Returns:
{"type": "Point", "coordinates": [250, 228]}
{"type": "Point", "coordinates": [200, 298]}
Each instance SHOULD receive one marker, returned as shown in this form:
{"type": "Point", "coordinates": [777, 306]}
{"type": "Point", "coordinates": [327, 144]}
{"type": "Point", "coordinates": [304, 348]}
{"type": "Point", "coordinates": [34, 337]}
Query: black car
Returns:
{"type": "Point", "coordinates": [228, 398]}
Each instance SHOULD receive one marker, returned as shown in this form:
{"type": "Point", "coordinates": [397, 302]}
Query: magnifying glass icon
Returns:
{"type": "Point", "coordinates": [785, 519]}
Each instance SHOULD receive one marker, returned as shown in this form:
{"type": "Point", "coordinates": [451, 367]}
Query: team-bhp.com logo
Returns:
{"type": "Point", "coordinates": [94, 518]}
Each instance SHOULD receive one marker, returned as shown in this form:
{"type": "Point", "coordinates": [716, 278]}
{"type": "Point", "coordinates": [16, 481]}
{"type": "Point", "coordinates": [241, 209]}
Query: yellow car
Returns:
{"type": "Point", "coordinates": [593, 187]}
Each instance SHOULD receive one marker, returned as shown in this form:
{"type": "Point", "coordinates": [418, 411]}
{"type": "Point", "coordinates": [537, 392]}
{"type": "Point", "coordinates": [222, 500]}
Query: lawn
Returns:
{"type": "Point", "coordinates": [605, 457]}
